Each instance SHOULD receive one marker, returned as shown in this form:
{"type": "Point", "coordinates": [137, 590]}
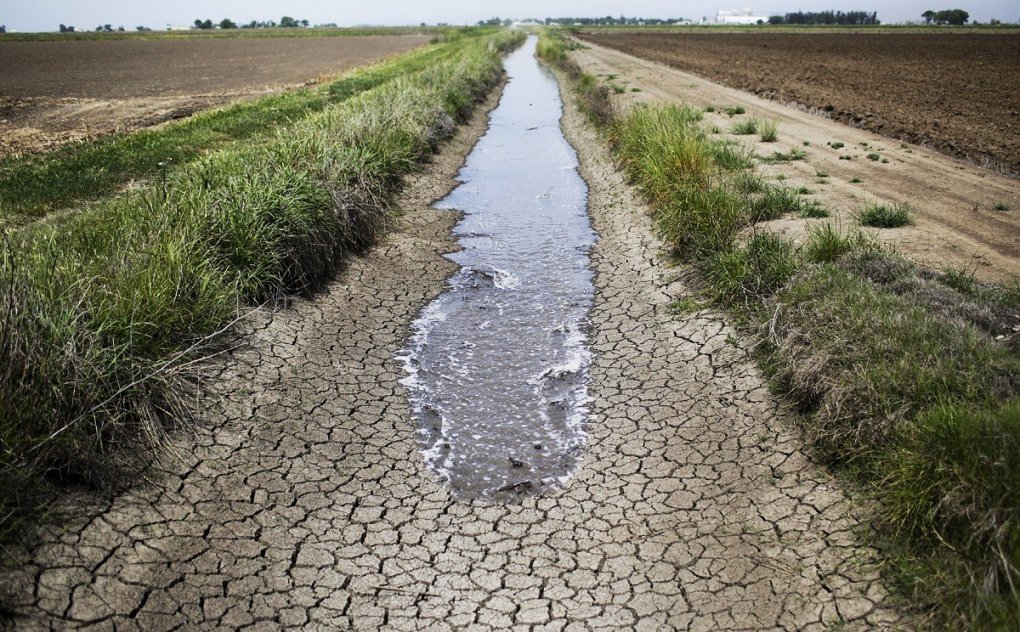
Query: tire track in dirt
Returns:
{"type": "Point", "coordinates": [303, 500]}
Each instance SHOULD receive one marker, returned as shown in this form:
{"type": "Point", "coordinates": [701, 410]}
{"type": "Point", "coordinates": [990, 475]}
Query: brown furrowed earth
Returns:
{"type": "Point", "coordinates": [957, 93]}
{"type": "Point", "coordinates": [56, 91]}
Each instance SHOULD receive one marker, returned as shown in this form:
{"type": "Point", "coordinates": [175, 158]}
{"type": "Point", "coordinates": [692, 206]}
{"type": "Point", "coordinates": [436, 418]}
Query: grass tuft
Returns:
{"type": "Point", "coordinates": [885, 215]}
{"type": "Point", "coordinates": [769, 131]}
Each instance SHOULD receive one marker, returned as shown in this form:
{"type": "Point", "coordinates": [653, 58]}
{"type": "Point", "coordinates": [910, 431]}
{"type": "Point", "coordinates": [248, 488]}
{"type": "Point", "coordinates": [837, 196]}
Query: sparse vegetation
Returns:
{"type": "Point", "coordinates": [734, 110]}
{"type": "Point", "coordinates": [769, 131]}
{"type": "Point", "coordinates": [794, 154]}
{"type": "Point", "coordinates": [1001, 206]}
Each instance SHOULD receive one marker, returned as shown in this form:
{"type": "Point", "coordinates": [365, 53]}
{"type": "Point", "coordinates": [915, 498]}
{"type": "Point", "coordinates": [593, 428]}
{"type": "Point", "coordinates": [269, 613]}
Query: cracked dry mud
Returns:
{"type": "Point", "coordinates": [303, 500]}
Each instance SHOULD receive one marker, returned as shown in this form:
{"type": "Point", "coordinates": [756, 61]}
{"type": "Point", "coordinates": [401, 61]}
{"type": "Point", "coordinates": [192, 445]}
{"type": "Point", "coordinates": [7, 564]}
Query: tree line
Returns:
{"type": "Point", "coordinates": [854, 18]}
{"type": "Point", "coordinates": [955, 17]}
{"type": "Point", "coordinates": [226, 23]}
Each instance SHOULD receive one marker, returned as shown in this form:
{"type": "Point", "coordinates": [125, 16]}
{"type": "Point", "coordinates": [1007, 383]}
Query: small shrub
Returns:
{"type": "Point", "coordinates": [856, 181]}
{"type": "Point", "coordinates": [733, 110]}
{"type": "Point", "coordinates": [1000, 206]}
{"type": "Point", "coordinates": [836, 145]}
{"type": "Point", "coordinates": [874, 157]}
{"type": "Point", "coordinates": [885, 215]}
{"type": "Point", "coordinates": [769, 131]}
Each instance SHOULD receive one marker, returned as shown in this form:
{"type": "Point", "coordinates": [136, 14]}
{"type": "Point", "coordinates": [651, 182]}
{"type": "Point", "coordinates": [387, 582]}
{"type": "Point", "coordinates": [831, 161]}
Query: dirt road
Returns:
{"type": "Point", "coordinates": [304, 500]}
{"type": "Point", "coordinates": [957, 224]}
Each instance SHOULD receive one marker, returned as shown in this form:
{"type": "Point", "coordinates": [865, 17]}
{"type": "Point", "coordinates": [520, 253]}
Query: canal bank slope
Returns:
{"type": "Point", "coordinates": [304, 500]}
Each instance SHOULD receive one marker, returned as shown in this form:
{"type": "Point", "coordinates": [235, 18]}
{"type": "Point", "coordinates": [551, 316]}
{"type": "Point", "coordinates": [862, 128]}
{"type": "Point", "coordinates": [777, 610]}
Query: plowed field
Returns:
{"type": "Point", "coordinates": [57, 91]}
{"type": "Point", "coordinates": [956, 92]}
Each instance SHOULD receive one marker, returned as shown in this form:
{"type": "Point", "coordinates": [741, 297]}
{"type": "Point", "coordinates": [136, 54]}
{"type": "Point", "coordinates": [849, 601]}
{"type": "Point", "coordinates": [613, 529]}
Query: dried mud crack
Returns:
{"type": "Point", "coordinates": [304, 502]}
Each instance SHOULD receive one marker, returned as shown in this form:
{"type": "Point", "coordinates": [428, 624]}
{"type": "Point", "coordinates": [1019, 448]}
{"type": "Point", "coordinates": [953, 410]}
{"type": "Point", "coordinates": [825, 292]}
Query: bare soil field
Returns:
{"type": "Point", "coordinates": [966, 216]}
{"type": "Point", "coordinates": [55, 91]}
{"type": "Point", "coordinates": [956, 93]}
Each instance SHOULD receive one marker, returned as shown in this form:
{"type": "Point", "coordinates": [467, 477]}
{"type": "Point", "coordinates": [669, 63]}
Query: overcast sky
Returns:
{"type": "Point", "coordinates": [46, 15]}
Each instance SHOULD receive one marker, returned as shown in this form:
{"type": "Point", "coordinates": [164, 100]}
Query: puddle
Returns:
{"type": "Point", "coordinates": [497, 366]}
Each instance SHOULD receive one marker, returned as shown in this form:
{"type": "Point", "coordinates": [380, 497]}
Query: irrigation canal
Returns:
{"type": "Point", "coordinates": [497, 366]}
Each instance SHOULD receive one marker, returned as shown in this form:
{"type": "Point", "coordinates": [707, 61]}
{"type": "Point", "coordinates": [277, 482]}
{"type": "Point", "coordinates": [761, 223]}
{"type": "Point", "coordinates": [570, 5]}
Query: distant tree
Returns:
{"type": "Point", "coordinates": [66, 29]}
{"type": "Point", "coordinates": [3, 28]}
{"type": "Point", "coordinates": [288, 22]}
{"type": "Point", "coordinates": [203, 24]}
{"type": "Point", "coordinates": [142, 29]}
{"type": "Point", "coordinates": [227, 23]}
{"type": "Point", "coordinates": [954, 17]}
{"type": "Point", "coordinates": [120, 29]}
{"type": "Point", "coordinates": [304, 23]}
{"type": "Point", "coordinates": [928, 16]}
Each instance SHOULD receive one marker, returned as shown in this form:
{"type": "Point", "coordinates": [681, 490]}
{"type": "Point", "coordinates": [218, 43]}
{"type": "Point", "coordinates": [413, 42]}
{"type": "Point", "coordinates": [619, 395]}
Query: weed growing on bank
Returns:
{"type": "Point", "coordinates": [907, 378]}
{"type": "Point", "coordinates": [106, 314]}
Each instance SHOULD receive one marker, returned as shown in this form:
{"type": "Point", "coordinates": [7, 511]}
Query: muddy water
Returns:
{"type": "Point", "coordinates": [498, 363]}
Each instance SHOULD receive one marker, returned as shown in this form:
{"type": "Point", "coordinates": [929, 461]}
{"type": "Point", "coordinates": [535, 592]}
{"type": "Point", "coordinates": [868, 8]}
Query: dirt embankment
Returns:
{"type": "Point", "coordinates": [958, 93]}
{"type": "Point", "coordinates": [52, 92]}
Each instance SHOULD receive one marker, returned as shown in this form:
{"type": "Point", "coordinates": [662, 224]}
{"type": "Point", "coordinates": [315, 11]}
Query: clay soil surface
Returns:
{"type": "Point", "coordinates": [56, 91]}
{"type": "Point", "coordinates": [955, 92]}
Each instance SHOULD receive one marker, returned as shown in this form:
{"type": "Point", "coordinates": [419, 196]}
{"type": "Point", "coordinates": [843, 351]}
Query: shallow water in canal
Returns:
{"type": "Point", "coordinates": [497, 366]}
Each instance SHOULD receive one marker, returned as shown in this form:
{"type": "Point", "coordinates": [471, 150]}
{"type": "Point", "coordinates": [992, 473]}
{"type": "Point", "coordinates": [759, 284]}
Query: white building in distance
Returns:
{"type": "Point", "coordinates": [739, 16]}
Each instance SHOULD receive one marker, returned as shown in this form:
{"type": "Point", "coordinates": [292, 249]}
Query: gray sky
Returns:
{"type": "Point", "coordinates": [45, 15]}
